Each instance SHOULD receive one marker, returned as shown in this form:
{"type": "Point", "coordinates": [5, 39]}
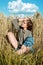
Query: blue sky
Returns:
{"type": "Point", "coordinates": [21, 7]}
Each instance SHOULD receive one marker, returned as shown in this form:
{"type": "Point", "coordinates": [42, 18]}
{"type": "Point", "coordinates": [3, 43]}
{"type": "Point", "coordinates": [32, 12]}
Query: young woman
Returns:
{"type": "Point", "coordinates": [25, 40]}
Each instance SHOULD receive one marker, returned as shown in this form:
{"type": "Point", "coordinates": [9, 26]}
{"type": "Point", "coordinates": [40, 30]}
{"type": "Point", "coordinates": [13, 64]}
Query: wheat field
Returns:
{"type": "Point", "coordinates": [7, 52]}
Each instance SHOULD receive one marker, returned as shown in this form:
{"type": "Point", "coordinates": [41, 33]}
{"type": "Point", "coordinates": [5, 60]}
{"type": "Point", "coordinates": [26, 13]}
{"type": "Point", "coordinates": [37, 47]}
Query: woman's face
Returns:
{"type": "Point", "coordinates": [24, 24]}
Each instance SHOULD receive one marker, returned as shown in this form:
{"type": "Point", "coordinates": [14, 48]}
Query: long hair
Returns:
{"type": "Point", "coordinates": [30, 25]}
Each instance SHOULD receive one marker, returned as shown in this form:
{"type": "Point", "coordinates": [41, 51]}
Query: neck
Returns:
{"type": "Point", "coordinates": [25, 28]}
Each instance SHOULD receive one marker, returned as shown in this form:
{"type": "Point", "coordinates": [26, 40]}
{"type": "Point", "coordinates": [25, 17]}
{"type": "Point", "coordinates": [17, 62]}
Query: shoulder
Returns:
{"type": "Point", "coordinates": [30, 39]}
{"type": "Point", "coordinates": [29, 33]}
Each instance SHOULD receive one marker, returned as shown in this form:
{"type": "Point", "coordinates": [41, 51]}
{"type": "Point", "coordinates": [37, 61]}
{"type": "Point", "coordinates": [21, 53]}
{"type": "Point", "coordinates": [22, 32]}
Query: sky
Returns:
{"type": "Point", "coordinates": [21, 7]}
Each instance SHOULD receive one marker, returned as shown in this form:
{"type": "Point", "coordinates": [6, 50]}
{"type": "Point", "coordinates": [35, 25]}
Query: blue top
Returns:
{"type": "Point", "coordinates": [28, 42]}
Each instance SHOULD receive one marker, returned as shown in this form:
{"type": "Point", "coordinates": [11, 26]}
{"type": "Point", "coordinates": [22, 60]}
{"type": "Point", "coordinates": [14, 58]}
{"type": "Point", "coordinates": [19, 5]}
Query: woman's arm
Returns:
{"type": "Point", "coordinates": [22, 50]}
{"type": "Point", "coordinates": [15, 24]}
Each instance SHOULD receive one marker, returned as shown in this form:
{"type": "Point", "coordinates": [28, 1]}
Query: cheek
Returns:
{"type": "Point", "coordinates": [25, 25]}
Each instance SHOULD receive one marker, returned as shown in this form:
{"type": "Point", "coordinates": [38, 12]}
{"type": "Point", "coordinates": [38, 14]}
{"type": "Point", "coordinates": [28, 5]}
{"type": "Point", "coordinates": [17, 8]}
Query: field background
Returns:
{"type": "Point", "coordinates": [7, 52]}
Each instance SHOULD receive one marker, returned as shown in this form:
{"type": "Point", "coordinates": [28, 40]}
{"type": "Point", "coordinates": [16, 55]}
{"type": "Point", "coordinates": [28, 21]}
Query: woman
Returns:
{"type": "Point", "coordinates": [25, 40]}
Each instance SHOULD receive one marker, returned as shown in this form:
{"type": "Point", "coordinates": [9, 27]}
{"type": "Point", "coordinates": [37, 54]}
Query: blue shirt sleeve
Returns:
{"type": "Point", "coordinates": [29, 41]}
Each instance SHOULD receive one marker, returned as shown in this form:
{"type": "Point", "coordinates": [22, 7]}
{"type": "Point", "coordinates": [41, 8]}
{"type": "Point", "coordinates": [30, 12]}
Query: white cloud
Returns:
{"type": "Point", "coordinates": [19, 6]}
{"type": "Point", "coordinates": [21, 15]}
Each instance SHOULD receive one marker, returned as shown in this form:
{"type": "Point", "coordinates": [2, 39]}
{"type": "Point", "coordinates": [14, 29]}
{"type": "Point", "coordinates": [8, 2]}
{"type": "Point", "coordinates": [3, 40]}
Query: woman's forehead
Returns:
{"type": "Point", "coordinates": [26, 20]}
